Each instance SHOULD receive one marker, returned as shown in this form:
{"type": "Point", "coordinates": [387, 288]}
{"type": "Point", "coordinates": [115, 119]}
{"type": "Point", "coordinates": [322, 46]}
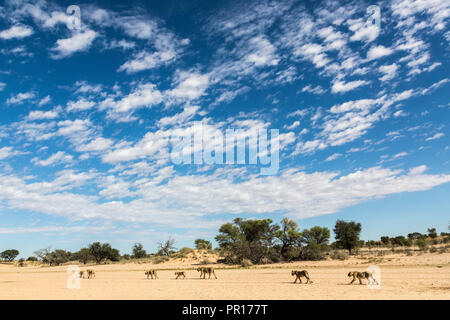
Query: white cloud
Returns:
{"type": "Point", "coordinates": [189, 86]}
{"type": "Point", "coordinates": [17, 31]}
{"type": "Point", "coordinates": [299, 195]}
{"type": "Point", "coordinates": [44, 101]}
{"type": "Point", "coordinates": [81, 41]}
{"type": "Point", "coordinates": [80, 105]}
{"type": "Point", "coordinates": [436, 136]}
{"type": "Point", "coordinates": [57, 158]}
{"type": "Point", "coordinates": [389, 71]}
{"type": "Point", "coordinates": [41, 115]}
{"type": "Point", "coordinates": [334, 156]}
{"type": "Point", "coordinates": [20, 98]}
{"type": "Point", "coordinates": [377, 52]}
{"type": "Point", "coordinates": [7, 152]}
{"type": "Point", "coordinates": [342, 87]}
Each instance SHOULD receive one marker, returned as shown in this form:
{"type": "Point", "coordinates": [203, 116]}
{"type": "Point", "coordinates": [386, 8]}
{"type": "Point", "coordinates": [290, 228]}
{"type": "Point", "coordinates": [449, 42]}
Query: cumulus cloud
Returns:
{"type": "Point", "coordinates": [342, 87]}
{"type": "Point", "coordinates": [378, 52]}
{"type": "Point", "coordinates": [57, 158]}
{"type": "Point", "coordinates": [16, 32]}
{"type": "Point", "coordinates": [81, 41]}
{"type": "Point", "coordinates": [209, 195]}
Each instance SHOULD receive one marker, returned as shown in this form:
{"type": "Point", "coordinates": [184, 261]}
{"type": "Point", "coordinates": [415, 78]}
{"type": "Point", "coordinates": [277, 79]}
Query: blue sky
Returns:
{"type": "Point", "coordinates": [361, 103]}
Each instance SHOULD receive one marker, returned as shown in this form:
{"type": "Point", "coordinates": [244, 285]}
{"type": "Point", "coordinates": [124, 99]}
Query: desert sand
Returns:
{"type": "Point", "coordinates": [422, 276]}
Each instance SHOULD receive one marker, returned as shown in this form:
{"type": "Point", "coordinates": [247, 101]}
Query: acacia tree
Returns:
{"type": "Point", "coordinates": [103, 251]}
{"type": "Point", "coordinates": [138, 251]}
{"type": "Point", "coordinates": [316, 236]}
{"type": "Point", "coordinates": [83, 255]}
{"type": "Point", "coordinates": [9, 255]}
{"type": "Point", "coordinates": [347, 234]}
{"type": "Point", "coordinates": [166, 247]}
{"type": "Point", "coordinates": [432, 233]}
{"type": "Point", "coordinates": [202, 244]}
{"type": "Point", "coordinates": [288, 235]}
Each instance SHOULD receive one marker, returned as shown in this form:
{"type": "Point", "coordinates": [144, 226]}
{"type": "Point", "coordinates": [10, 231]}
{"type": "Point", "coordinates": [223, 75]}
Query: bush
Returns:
{"type": "Point", "coordinates": [443, 250]}
{"type": "Point", "coordinates": [311, 253]}
{"type": "Point", "coordinates": [160, 259]}
{"type": "Point", "coordinates": [339, 255]}
{"type": "Point", "coordinates": [184, 252]}
{"type": "Point", "coordinates": [422, 244]}
{"type": "Point", "coordinates": [433, 250]}
{"type": "Point", "coordinates": [206, 261]}
{"type": "Point", "coordinates": [265, 261]}
{"type": "Point", "coordinates": [246, 263]}
{"type": "Point", "coordinates": [32, 259]}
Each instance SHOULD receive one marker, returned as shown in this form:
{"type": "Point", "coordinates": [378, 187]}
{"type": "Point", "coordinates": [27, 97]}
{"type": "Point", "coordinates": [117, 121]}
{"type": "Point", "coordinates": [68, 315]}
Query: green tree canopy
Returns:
{"type": "Point", "coordinates": [104, 251]}
{"type": "Point", "coordinates": [9, 255]}
{"type": "Point", "coordinates": [316, 236]}
{"type": "Point", "coordinates": [138, 251]}
{"type": "Point", "coordinates": [347, 234]}
{"type": "Point", "coordinates": [202, 244]}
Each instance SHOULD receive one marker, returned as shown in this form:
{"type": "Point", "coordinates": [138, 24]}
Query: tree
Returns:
{"type": "Point", "coordinates": [165, 248]}
{"type": "Point", "coordinates": [399, 241]}
{"type": "Point", "coordinates": [9, 255]}
{"type": "Point", "coordinates": [347, 234]}
{"type": "Point", "coordinates": [288, 235]}
{"type": "Point", "coordinates": [316, 235]}
{"type": "Point", "coordinates": [202, 244]}
{"type": "Point", "coordinates": [422, 244]}
{"type": "Point", "coordinates": [432, 233]}
{"type": "Point", "coordinates": [104, 251]}
{"type": "Point", "coordinates": [83, 255]}
{"type": "Point", "coordinates": [54, 258]}
{"type": "Point", "coordinates": [385, 240]}
{"type": "Point", "coordinates": [261, 231]}
{"type": "Point", "coordinates": [229, 235]}
{"type": "Point", "coordinates": [138, 251]}
{"type": "Point", "coordinates": [416, 235]}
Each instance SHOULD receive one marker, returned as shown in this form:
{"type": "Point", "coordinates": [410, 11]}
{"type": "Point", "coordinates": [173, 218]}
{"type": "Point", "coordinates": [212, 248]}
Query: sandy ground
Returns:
{"type": "Point", "coordinates": [418, 277]}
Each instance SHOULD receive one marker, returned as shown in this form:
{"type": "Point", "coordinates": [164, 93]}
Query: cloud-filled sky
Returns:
{"type": "Point", "coordinates": [361, 103]}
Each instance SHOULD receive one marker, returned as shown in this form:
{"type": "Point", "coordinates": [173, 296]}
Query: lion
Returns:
{"type": "Point", "coordinates": [299, 274]}
{"type": "Point", "coordinates": [206, 270]}
{"type": "Point", "coordinates": [361, 275]}
{"type": "Point", "coordinates": [151, 273]}
{"type": "Point", "coordinates": [90, 273]}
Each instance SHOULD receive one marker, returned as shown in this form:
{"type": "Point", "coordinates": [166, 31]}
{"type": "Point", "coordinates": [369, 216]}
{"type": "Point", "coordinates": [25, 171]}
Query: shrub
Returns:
{"type": "Point", "coordinates": [265, 261]}
{"type": "Point", "coordinates": [433, 250]}
{"type": "Point", "coordinates": [422, 244]}
{"type": "Point", "coordinates": [311, 252]}
{"type": "Point", "coordinates": [32, 259]}
{"type": "Point", "coordinates": [160, 259]}
{"type": "Point", "coordinates": [246, 263]}
{"type": "Point", "coordinates": [184, 252]}
{"type": "Point", "coordinates": [339, 255]}
{"type": "Point", "coordinates": [206, 261]}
